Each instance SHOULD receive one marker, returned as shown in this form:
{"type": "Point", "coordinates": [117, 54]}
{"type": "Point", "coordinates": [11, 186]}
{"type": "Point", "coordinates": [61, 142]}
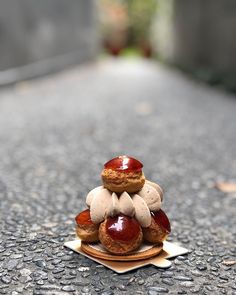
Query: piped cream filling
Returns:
{"type": "Point", "coordinates": [104, 203]}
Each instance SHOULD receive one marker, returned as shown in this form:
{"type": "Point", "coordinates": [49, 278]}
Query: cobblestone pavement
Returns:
{"type": "Point", "coordinates": [56, 133]}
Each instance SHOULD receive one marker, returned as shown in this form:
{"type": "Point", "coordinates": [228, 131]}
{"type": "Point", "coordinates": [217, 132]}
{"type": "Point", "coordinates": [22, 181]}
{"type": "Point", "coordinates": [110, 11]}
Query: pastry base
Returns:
{"type": "Point", "coordinates": [145, 252]}
{"type": "Point", "coordinates": [170, 250]}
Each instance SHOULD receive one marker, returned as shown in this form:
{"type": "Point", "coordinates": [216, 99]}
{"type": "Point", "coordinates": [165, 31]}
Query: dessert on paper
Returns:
{"type": "Point", "coordinates": [124, 214]}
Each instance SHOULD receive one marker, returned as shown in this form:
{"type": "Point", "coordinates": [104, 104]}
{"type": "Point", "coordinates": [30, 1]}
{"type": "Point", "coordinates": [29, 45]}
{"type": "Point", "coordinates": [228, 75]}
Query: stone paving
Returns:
{"type": "Point", "coordinates": [55, 135]}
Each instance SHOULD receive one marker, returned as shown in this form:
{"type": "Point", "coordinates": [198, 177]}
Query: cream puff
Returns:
{"type": "Point", "coordinates": [123, 174]}
{"type": "Point", "coordinates": [120, 234]}
{"type": "Point", "coordinates": [159, 228]}
{"type": "Point", "coordinates": [86, 230]}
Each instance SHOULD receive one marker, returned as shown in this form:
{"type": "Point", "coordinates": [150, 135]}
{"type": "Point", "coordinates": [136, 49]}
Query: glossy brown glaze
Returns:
{"type": "Point", "coordinates": [124, 164]}
{"type": "Point", "coordinates": [122, 228]}
{"type": "Point", "coordinates": [161, 219]}
{"type": "Point", "coordinates": [83, 218]}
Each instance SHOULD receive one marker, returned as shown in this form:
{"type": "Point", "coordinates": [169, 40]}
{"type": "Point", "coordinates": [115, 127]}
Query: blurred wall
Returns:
{"type": "Point", "coordinates": [32, 31]}
{"type": "Point", "coordinates": [198, 35]}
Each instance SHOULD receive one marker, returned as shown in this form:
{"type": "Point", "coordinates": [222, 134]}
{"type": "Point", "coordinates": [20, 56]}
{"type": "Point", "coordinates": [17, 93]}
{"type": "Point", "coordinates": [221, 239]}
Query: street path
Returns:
{"type": "Point", "coordinates": [55, 134]}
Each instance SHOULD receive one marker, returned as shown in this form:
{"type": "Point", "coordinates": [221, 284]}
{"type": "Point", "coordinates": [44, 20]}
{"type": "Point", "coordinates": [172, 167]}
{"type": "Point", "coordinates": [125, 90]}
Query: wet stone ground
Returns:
{"type": "Point", "coordinates": [55, 135]}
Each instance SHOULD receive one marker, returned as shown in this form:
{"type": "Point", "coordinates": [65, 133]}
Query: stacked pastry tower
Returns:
{"type": "Point", "coordinates": [125, 210]}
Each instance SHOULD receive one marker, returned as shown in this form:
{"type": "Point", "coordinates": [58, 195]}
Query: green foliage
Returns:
{"type": "Point", "coordinates": [140, 13]}
{"type": "Point", "coordinates": [131, 52]}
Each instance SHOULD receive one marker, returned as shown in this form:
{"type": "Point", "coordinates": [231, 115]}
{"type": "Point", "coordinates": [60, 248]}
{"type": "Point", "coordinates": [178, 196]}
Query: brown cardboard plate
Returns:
{"type": "Point", "coordinates": [98, 252]}
{"type": "Point", "coordinates": [170, 250]}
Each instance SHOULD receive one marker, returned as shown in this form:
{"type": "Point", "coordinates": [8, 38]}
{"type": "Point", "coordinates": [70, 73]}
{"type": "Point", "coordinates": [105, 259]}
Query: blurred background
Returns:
{"type": "Point", "coordinates": [39, 37]}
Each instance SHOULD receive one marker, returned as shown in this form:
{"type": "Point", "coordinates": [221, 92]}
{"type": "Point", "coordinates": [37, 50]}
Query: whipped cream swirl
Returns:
{"type": "Point", "coordinates": [104, 203]}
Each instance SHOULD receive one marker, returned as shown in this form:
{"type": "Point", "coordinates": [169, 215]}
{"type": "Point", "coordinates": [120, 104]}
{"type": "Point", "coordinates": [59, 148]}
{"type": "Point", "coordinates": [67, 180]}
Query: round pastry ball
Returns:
{"type": "Point", "coordinates": [120, 234]}
{"type": "Point", "coordinates": [86, 230]}
{"type": "Point", "coordinates": [159, 228]}
{"type": "Point", "coordinates": [123, 174]}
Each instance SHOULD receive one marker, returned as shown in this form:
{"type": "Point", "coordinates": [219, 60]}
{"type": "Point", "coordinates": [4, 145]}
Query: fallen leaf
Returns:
{"type": "Point", "coordinates": [226, 187]}
{"type": "Point", "coordinates": [229, 262]}
{"type": "Point", "coordinates": [143, 108]}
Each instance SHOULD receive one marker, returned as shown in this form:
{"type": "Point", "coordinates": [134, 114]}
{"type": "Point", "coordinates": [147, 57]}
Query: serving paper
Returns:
{"type": "Point", "coordinates": [170, 250]}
